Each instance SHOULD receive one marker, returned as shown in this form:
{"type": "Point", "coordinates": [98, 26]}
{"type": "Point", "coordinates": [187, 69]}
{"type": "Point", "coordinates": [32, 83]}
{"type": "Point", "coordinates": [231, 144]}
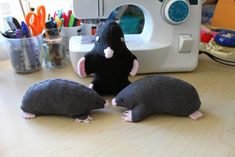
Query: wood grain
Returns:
{"type": "Point", "coordinates": [107, 135]}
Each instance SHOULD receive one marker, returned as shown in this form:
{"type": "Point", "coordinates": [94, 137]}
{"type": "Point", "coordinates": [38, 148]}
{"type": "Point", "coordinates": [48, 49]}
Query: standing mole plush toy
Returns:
{"type": "Point", "coordinates": [158, 94]}
{"type": "Point", "coordinates": [110, 61]}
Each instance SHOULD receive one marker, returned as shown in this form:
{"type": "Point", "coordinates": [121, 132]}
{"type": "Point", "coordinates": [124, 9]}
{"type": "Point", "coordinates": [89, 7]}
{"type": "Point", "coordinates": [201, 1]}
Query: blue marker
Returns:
{"type": "Point", "coordinates": [25, 30]}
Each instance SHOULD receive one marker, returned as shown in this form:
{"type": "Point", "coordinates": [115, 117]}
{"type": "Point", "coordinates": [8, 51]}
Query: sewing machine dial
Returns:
{"type": "Point", "coordinates": [175, 11]}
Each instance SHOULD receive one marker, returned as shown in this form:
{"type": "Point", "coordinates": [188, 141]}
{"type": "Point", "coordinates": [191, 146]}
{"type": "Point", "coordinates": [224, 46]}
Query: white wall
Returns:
{"type": "Point", "coordinates": [52, 5]}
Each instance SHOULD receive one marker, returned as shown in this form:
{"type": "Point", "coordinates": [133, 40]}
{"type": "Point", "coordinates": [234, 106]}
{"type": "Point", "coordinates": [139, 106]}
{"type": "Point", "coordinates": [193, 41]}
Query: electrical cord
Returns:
{"type": "Point", "coordinates": [219, 60]}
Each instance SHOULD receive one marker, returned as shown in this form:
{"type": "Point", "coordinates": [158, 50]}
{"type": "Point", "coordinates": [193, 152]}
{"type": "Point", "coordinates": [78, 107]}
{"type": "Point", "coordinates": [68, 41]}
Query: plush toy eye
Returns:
{"type": "Point", "coordinates": [121, 99]}
{"type": "Point", "coordinates": [97, 38]}
{"type": "Point", "coordinates": [122, 39]}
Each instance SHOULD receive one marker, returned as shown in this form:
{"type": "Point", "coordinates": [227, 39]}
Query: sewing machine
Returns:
{"type": "Point", "coordinates": [169, 41]}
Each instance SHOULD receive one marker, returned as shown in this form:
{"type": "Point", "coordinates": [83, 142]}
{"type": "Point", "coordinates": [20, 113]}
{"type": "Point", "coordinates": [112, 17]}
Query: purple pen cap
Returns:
{"type": "Point", "coordinates": [19, 33]}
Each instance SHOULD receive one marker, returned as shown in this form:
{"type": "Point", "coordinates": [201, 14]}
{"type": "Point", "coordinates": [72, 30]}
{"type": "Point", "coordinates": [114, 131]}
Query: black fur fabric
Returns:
{"type": "Point", "coordinates": [110, 74]}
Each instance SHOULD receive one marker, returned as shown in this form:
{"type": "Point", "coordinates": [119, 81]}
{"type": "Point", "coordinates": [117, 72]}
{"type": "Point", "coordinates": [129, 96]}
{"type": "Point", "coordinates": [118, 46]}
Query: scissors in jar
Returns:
{"type": "Point", "coordinates": [36, 22]}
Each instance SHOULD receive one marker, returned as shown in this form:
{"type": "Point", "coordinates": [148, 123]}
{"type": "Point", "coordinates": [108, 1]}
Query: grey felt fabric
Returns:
{"type": "Point", "coordinates": [61, 97]}
{"type": "Point", "coordinates": [159, 94]}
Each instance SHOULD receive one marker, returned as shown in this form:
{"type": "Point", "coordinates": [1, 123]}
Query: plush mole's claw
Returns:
{"type": "Point", "coordinates": [127, 116]}
{"type": "Point", "coordinates": [87, 120]}
{"type": "Point", "coordinates": [28, 115]}
{"type": "Point", "coordinates": [114, 102]}
{"type": "Point", "coordinates": [78, 121]}
{"type": "Point", "coordinates": [134, 68]}
{"type": "Point", "coordinates": [196, 115]}
{"type": "Point", "coordinates": [81, 67]}
{"type": "Point", "coordinates": [91, 86]}
{"type": "Point", "coordinates": [107, 103]}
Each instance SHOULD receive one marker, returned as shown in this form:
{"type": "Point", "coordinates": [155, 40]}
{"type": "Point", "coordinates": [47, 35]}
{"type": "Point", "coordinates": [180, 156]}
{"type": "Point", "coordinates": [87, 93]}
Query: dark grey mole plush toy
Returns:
{"type": "Point", "coordinates": [110, 61]}
{"type": "Point", "coordinates": [60, 97]}
{"type": "Point", "coordinates": [158, 94]}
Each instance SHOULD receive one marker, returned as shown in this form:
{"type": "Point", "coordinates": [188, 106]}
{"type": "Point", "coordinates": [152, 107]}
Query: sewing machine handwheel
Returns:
{"type": "Point", "coordinates": [175, 11]}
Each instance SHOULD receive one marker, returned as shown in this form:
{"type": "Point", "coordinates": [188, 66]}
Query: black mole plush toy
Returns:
{"type": "Point", "coordinates": [158, 94]}
{"type": "Point", "coordinates": [110, 61]}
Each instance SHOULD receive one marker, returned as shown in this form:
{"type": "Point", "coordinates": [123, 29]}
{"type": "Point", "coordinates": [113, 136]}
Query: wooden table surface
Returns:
{"type": "Point", "coordinates": [107, 135]}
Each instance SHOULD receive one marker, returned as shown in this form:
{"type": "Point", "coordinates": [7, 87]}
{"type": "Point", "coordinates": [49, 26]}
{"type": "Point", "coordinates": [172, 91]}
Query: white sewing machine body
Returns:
{"type": "Point", "coordinates": [163, 46]}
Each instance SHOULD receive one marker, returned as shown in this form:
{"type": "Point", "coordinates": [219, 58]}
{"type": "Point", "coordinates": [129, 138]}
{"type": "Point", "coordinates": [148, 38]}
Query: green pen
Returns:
{"type": "Point", "coordinates": [71, 20]}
